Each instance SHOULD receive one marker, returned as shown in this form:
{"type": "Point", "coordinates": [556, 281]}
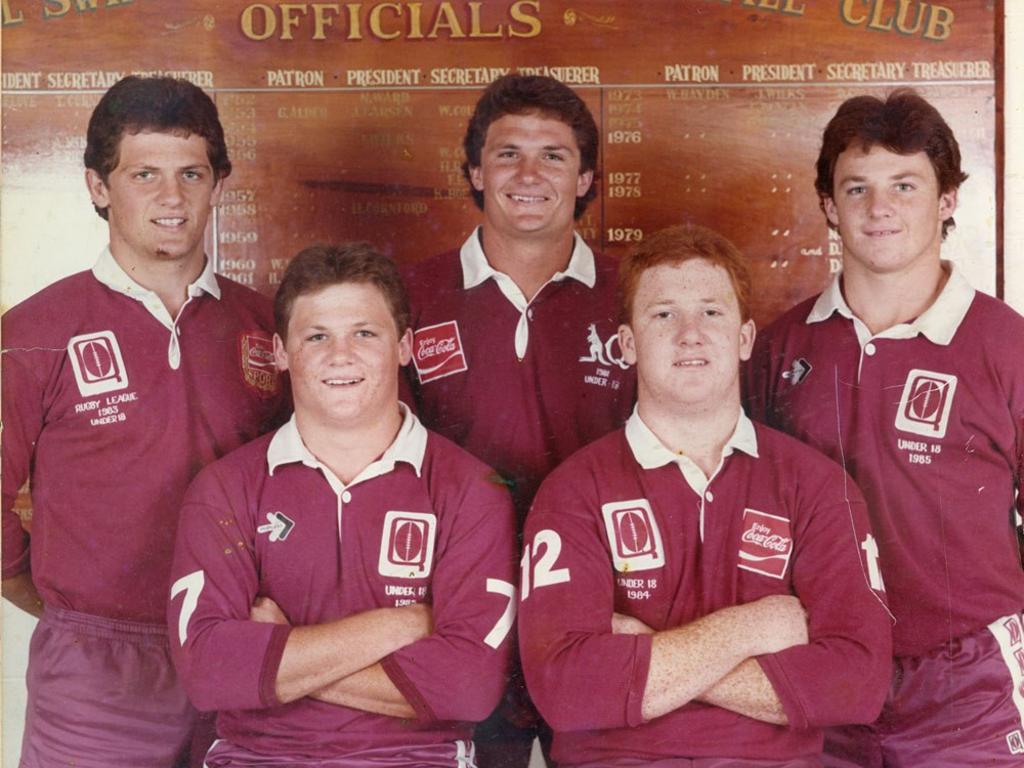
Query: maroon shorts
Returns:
{"type": "Point", "coordinates": [103, 693]}
{"type": "Point", "coordinates": [458, 754]}
{"type": "Point", "coordinates": [961, 705]}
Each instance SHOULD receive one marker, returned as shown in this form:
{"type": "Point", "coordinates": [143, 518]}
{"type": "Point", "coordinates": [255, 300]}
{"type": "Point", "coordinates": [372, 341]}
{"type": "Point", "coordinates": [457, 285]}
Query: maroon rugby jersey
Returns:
{"type": "Point", "coordinates": [426, 523]}
{"type": "Point", "coordinates": [928, 417]}
{"type": "Point", "coordinates": [620, 528]}
{"type": "Point", "coordinates": [521, 386]}
{"type": "Point", "coordinates": [111, 407]}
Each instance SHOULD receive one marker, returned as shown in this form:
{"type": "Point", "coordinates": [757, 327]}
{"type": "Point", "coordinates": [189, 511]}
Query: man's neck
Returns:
{"type": "Point", "coordinates": [530, 262]}
{"type": "Point", "coordinates": [348, 450]}
{"type": "Point", "coordinates": [699, 435]}
{"type": "Point", "coordinates": [168, 280]}
{"type": "Point", "coordinates": [883, 301]}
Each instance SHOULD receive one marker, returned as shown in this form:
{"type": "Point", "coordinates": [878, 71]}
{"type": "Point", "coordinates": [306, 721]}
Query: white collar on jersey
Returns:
{"type": "Point", "coordinates": [410, 445]}
{"type": "Point", "coordinates": [110, 273]}
{"type": "Point", "coordinates": [938, 323]}
{"type": "Point", "coordinates": [476, 269]}
{"type": "Point", "coordinates": [651, 453]}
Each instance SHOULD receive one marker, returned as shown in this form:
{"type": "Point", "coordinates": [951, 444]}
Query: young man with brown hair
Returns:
{"type": "Point", "coordinates": [515, 349]}
{"type": "Point", "coordinates": [343, 588]}
{"type": "Point", "coordinates": [915, 382]}
{"type": "Point", "coordinates": [119, 384]}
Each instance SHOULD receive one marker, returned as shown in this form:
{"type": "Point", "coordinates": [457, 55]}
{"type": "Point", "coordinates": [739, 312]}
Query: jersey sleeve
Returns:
{"type": "Point", "coordinates": [460, 670]}
{"type": "Point", "coordinates": [842, 675]}
{"type": "Point", "coordinates": [22, 404]}
{"type": "Point", "coordinates": [579, 674]}
{"type": "Point", "coordinates": [225, 660]}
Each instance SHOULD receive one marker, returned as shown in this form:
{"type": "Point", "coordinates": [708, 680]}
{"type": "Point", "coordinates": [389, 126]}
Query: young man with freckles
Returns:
{"type": "Point", "coordinates": [119, 384]}
{"type": "Point", "coordinates": [515, 353]}
{"type": "Point", "coordinates": [915, 382]}
{"type": "Point", "coordinates": [343, 588]}
{"type": "Point", "coordinates": [693, 586]}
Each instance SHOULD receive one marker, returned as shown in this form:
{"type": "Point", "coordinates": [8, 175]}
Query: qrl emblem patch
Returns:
{"type": "Point", "coordinates": [437, 351]}
{"type": "Point", "coordinates": [97, 363]}
{"type": "Point", "coordinates": [407, 545]}
{"type": "Point", "coordinates": [926, 402]}
{"type": "Point", "coordinates": [633, 535]}
{"type": "Point", "coordinates": [766, 544]}
{"type": "Point", "coordinates": [258, 368]}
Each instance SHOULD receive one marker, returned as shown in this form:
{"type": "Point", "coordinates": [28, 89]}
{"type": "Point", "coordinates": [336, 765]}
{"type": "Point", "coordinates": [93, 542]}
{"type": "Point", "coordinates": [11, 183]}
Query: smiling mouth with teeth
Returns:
{"type": "Point", "coordinates": [169, 222]}
{"type": "Point", "coordinates": [691, 363]}
{"type": "Point", "coordinates": [528, 198]}
{"type": "Point", "coordinates": [341, 382]}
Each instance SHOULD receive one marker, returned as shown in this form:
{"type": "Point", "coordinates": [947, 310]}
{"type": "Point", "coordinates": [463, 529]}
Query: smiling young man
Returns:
{"type": "Point", "coordinates": [118, 384]}
{"type": "Point", "coordinates": [693, 585]}
{"type": "Point", "coordinates": [515, 349]}
{"type": "Point", "coordinates": [913, 380]}
{"type": "Point", "coordinates": [343, 588]}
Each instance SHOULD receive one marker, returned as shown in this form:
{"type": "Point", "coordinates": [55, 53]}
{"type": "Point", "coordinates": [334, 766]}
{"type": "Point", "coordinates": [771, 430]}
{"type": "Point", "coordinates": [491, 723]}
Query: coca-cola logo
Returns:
{"type": "Point", "coordinates": [762, 535]}
{"type": "Point", "coordinates": [437, 351]}
{"type": "Point", "coordinates": [432, 345]}
{"type": "Point", "coordinates": [766, 544]}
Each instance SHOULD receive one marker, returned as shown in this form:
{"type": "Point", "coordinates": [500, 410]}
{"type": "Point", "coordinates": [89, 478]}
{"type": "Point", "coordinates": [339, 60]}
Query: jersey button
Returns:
{"type": "Point", "coordinates": [346, 496]}
{"type": "Point", "coordinates": [869, 348]}
{"type": "Point", "coordinates": [529, 314]}
{"type": "Point", "coordinates": [709, 496]}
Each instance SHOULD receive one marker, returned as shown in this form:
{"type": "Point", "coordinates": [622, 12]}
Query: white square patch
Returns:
{"type": "Point", "coordinates": [633, 535]}
{"type": "Point", "coordinates": [97, 363]}
{"type": "Point", "coordinates": [407, 545]}
{"type": "Point", "coordinates": [926, 402]}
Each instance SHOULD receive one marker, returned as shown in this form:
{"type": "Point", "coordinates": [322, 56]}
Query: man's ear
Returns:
{"type": "Point", "coordinates": [97, 189]}
{"type": "Point", "coordinates": [748, 332]}
{"type": "Point", "coordinates": [628, 344]}
{"type": "Point", "coordinates": [280, 355]}
{"type": "Point", "coordinates": [405, 347]}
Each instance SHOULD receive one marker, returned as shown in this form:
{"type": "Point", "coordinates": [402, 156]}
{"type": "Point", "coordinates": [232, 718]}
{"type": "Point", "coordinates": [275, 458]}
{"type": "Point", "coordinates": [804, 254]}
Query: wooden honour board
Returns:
{"type": "Point", "coordinates": [345, 120]}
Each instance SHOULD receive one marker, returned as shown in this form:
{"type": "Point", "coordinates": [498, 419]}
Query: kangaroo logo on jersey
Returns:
{"type": "Point", "coordinates": [603, 352]}
{"type": "Point", "coordinates": [926, 402]}
{"type": "Point", "coordinates": [258, 366]}
{"type": "Point", "coordinates": [278, 525]}
{"type": "Point", "coordinates": [407, 545]}
{"type": "Point", "coordinates": [766, 544]}
{"type": "Point", "coordinates": [437, 351]}
{"type": "Point", "coordinates": [633, 535]}
{"type": "Point", "coordinates": [97, 363]}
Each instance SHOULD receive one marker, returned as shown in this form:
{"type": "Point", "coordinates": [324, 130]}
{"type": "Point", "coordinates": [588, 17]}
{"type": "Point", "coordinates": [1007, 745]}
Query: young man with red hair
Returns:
{"type": "Point", "coordinates": [915, 382]}
{"type": "Point", "coordinates": [693, 585]}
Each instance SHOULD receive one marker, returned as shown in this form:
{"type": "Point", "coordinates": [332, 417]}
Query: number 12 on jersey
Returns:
{"type": "Point", "coordinates": [547, 545]}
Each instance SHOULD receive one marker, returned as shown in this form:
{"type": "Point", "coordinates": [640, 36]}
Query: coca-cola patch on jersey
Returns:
{"type": "Point", "coordinates": [766, 544]}
{"type": "Point", "coordinates": [437, 351]}
{"type": "Point", "coordinates": [97, 363]}
{"type": "Point", "coordinates": [258, 368]}
{"type": "Point", "coordinates": [633, 535]}
{"type": "Point", "coordinates": [407, 545]}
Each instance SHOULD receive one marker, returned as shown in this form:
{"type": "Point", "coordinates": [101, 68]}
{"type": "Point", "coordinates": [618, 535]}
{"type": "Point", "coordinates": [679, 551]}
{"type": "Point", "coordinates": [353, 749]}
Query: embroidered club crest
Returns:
{"type": "Point", "coordinates": [437, 351]}
{"type": "Point", "coordinates": [926, 402]}
{"type": "Point", "coordinates": [257, 357]}
{"type": "Point", "coordinates": [97, 363]}
{"type": "Point", "coordinates": [407, 545]}
{"type": "Point", "coordinates": [633, 535]}
{"type": "Point", "coordinates": [766, 544]}
{"type": "Point", "coordinates": [603, 352]}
